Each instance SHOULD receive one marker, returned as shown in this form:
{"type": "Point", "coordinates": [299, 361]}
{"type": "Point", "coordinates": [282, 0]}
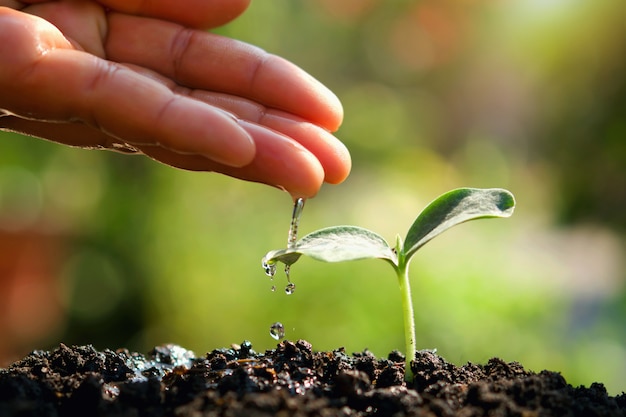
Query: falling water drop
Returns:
{"type": "Point", "coordinates": [273, 288]}
{"type": "Point", "coordinates": [277, 330]}
{"type": "Point", "coordinates": [290, 288]}
{"type": "Point", "coordinates": [292, 237]}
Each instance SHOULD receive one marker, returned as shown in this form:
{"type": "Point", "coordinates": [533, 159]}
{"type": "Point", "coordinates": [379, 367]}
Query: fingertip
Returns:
{"type": "Point", "coordinates": [282, 85]}
{"type": "Point", "coordinates": [330, 151]}
{"type": "Point", "coordinates": [284, 163]}
{"type": "Point", "coordinates": [323, 106]}
{"type": "Point", "coordinates": [309, 184]}
{"type": "Point", "coordinates": [335, 111]}
{"type": "Point", "coordinates": [342, 165]}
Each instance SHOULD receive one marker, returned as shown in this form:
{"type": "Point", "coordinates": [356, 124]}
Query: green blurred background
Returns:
{"type": "Point", "coordinates": [116, 250]}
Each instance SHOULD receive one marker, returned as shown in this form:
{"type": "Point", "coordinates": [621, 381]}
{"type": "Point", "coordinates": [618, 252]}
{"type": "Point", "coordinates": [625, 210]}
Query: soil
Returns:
{"type": "Point", "coordinates": [291, 380]}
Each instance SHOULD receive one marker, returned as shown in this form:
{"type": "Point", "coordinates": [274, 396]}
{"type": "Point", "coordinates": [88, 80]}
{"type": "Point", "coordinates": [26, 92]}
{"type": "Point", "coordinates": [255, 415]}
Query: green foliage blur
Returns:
{"type": "Point", "coordinates": [438, 94]}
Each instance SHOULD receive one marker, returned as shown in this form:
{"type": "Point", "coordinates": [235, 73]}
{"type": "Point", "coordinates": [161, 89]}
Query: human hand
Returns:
{"type": "Point", "coordinates": [143, 77]}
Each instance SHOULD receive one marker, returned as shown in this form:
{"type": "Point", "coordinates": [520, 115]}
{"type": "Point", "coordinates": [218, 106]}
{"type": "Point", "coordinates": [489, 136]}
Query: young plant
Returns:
{"type": "Point", "coordinates": [349, 243]}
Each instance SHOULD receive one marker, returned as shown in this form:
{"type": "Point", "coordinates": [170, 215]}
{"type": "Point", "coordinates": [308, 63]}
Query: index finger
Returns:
{"type": "Point", "coordinates": [207, 61]}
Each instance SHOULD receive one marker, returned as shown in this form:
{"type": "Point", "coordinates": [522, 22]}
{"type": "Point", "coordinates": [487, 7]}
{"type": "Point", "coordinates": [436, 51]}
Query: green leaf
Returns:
{"type": "Point", "coordinates": [455, 207]}
{"type": "Point", "coordinates": [336, 244]}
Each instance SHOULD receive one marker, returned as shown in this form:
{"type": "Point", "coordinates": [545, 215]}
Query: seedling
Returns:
{"type": "Point", "coordinates": [350, 243]}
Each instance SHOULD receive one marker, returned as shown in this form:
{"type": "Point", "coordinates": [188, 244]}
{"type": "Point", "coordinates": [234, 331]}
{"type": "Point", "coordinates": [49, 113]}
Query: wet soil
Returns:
{"type": "Point", "coordinates": [291, 380]}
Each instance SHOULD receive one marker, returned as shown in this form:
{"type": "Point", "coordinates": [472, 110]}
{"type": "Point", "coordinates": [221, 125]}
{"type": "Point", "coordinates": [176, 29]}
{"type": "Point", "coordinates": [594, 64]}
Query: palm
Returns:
{"type": "Point", "coordinates": [286, 113]}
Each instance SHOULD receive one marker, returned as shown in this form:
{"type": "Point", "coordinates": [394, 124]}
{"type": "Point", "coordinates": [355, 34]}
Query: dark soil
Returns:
{"type": "Point", "coordinates": [291, 380]}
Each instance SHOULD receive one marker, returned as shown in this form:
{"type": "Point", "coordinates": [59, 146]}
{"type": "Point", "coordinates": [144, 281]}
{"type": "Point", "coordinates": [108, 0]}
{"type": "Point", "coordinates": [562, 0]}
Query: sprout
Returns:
{"type": "Point", "coordinates": [350, 243]}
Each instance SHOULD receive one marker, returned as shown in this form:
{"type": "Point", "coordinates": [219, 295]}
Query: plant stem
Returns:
{"type": "Point", "coordinates": [409, 318]}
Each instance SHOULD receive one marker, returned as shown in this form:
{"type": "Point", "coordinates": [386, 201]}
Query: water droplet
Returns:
{"type": "Point", "coordinates": [290, 288]}
{"type": "Point", "coordinates": [273, 288]}
{"type": "Point", "coordinates": [277, 330]}
{"type": "Point", "coordinates": [298, 206]}
{"type": "Point", "coordinates": [270, 268]}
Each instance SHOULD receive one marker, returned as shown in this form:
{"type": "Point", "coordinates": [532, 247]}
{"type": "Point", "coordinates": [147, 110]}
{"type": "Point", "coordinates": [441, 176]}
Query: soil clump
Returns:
{"type": "Point", "coordinates": [291, 380]}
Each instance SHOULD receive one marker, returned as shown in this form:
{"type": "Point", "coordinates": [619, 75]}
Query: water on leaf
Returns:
{"type": "Point", "coordinates": [277, 330]}
{"type": "Point", "coordinates": [270, 268]}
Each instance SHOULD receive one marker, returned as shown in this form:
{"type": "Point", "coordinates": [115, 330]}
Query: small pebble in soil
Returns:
{"type": "Point", "coordinates": [277, 330]}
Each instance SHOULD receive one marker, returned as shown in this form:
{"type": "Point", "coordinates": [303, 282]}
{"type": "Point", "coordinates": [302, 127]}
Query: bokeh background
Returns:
{"type": "Point", "coordinates": [119, 251]}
